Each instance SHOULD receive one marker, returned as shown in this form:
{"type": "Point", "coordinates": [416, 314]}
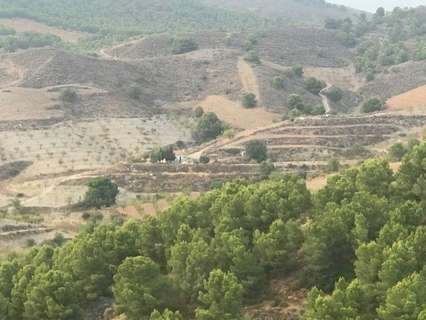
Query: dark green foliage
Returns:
{"type": "Point", "coordinates": [257, 150]}
{"type": "Point", "coordinates": [198, 112]}
{"type": "Point", "coordinates": [373, 105]}
{"type": "Point", "coordinates": [135, 93]}
{"type": "Point", "coordinates": [208, 127]}
{"type": "Point", "coordinates": [102, 192]}
{"type": "Point", "coordinates": [249, 100]}
{"type": "Point", "coordinates": [380, 12]}
{"type": "Point", "coordinates": [314, 85]}
{"type": "Point", "coordinates": [68, 95]}
{"type": "Point", "coordinates": [252, 58]}
{"type": "Point", "coordinates": [13, 42]}
{"type": "Point", "coordinates": [222, 298]}
{"type": "Point", "coordinates": [163, 154]}
{"type": "Point", "coordinates": [297, 71]}
{"type": "Point", "coordinates": [397, 151]}
{"type": "Point", "coordinates": [266, 168]}
{"type": "Point", "coordinates": [298, 107]}
{"type": "Point", "coordinates": [333, 165]}
{"type": "Point", "coordinates": [140, 288]}
{"type": "Point", "coordinates": [361, 239]}
{"type": "Point", "coordinates": [181, 46]}
{"type": "Point", "coordinates": [204, 159]}
{"type": "Point", "coordinates": [295, 101]}
{"type": "Point", "coordinates": [278, 83]}
{"type": "Point", "coordinates": [334, 94]}
{"type": "Point", "coordinates": [166, 315]}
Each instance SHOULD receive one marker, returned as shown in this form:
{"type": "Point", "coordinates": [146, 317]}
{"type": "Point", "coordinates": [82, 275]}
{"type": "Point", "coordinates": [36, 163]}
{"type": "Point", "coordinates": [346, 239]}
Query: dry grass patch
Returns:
{"type": "Point", "coordinates": [411, 99]}
{"type": "Point", "coordinates": [25, 103]}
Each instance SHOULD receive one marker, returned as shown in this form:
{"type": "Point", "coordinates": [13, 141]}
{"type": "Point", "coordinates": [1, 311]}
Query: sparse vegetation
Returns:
{"type": "Point", "coordinates": [13, 41]}
{"type": "Point", "coordinates": [252, 57]}
{"type": "Point", "coordinates": [181, 46]}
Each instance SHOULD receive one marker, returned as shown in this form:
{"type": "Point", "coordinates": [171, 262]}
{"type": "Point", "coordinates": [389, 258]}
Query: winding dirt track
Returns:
{"type": "Point", "coordinates": [325, 100]}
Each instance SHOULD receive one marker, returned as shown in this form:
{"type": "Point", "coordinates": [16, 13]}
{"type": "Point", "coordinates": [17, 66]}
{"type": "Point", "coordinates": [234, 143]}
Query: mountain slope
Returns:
{"type": "Point", "coordinates": [290, 11]}
{"type": "Point", "coordinates": [128, 17]}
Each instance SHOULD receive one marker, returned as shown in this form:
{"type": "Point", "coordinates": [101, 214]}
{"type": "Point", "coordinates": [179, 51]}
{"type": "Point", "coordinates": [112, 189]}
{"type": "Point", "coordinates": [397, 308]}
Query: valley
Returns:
{"type": "Point", "coordinates": [317, 94]}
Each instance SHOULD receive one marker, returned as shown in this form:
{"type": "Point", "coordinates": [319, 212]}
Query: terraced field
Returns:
{"type": "Point", "coordinates": [318, 139]}
{"type": "Point", "coordinates": [86, 145]}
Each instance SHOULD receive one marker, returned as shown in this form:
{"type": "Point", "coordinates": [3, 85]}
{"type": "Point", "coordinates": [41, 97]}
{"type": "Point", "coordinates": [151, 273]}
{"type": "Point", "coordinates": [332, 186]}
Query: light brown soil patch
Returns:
{"type": "Point", "coordinates": [248, 78]}
{"type": "Point", "coordinates": [26, 103]}
{"type": "Point", "coordinates": [317, 183]}
{"type": "Point", "coordinates": [236, 115]}
{"type": "Point", "coordinates": [25, 25]}
{"type": "Point", "coordinates": [411, 99]}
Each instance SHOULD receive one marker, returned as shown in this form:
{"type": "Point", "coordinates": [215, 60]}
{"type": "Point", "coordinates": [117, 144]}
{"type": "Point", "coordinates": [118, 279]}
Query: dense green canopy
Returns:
{"type": "Point", "coordinates": [359, 242]}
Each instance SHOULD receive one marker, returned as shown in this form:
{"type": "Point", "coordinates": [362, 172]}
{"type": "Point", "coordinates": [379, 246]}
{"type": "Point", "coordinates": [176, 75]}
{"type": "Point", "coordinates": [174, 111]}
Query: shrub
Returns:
{"type": "Point", "coordinates": [208, 127]}
{"type": "Point", "coordinates": [297, 70]}
{"type": "Point", "coordinates": [102, 192]}
{"type": "Point", "coordinates": [257, 150]}
{"type": "Point", "coordinates": [372, 105]}
{"type": "Point", "coordinates": [198, 112]}
{"type": "Point", "coordinates": [397, 151]}
{"type": "Point", "coordinates": [30, 242]}
{"type": "Point", "coordinates": [334, 94]}
{"type": "Point", "coordinates": [333, 165]}
{"type": "Point", "coordinates": [58, 239]}
{"type": "Point", "coordinates": [294, 101]}
{"type": "Point", "coordinates": [181, 46]}
{"type": "Point", "coordinates": [135, 93]}
{"type": "Point", "coordinates": [314, 85]}
{"type": "Point", "coordinates": [204, 159]}
{"type": "Point", "coordinates": [266, 168]}
{"type": "Point", "coordinates": [249, 100]}
{"type": "Point", "coordinates": [278, 83]}
{"type": "Point", "coordinates": [252, 57]}
{"type": "Point", "coordinates": [164, 153]}
{"type": "Point", "coordinates": [68, 96]}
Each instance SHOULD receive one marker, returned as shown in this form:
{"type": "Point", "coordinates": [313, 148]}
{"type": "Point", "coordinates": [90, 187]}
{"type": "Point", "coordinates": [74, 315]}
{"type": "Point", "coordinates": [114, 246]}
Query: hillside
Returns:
{"type": "Point", "coordinates": [297, 12]}
{"type": "Point", "coordinates": [117, 20]}
{"type": "Point", "coordinates": [211, 160]}
{"type": "Point", "coordinates": [217, 257]}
